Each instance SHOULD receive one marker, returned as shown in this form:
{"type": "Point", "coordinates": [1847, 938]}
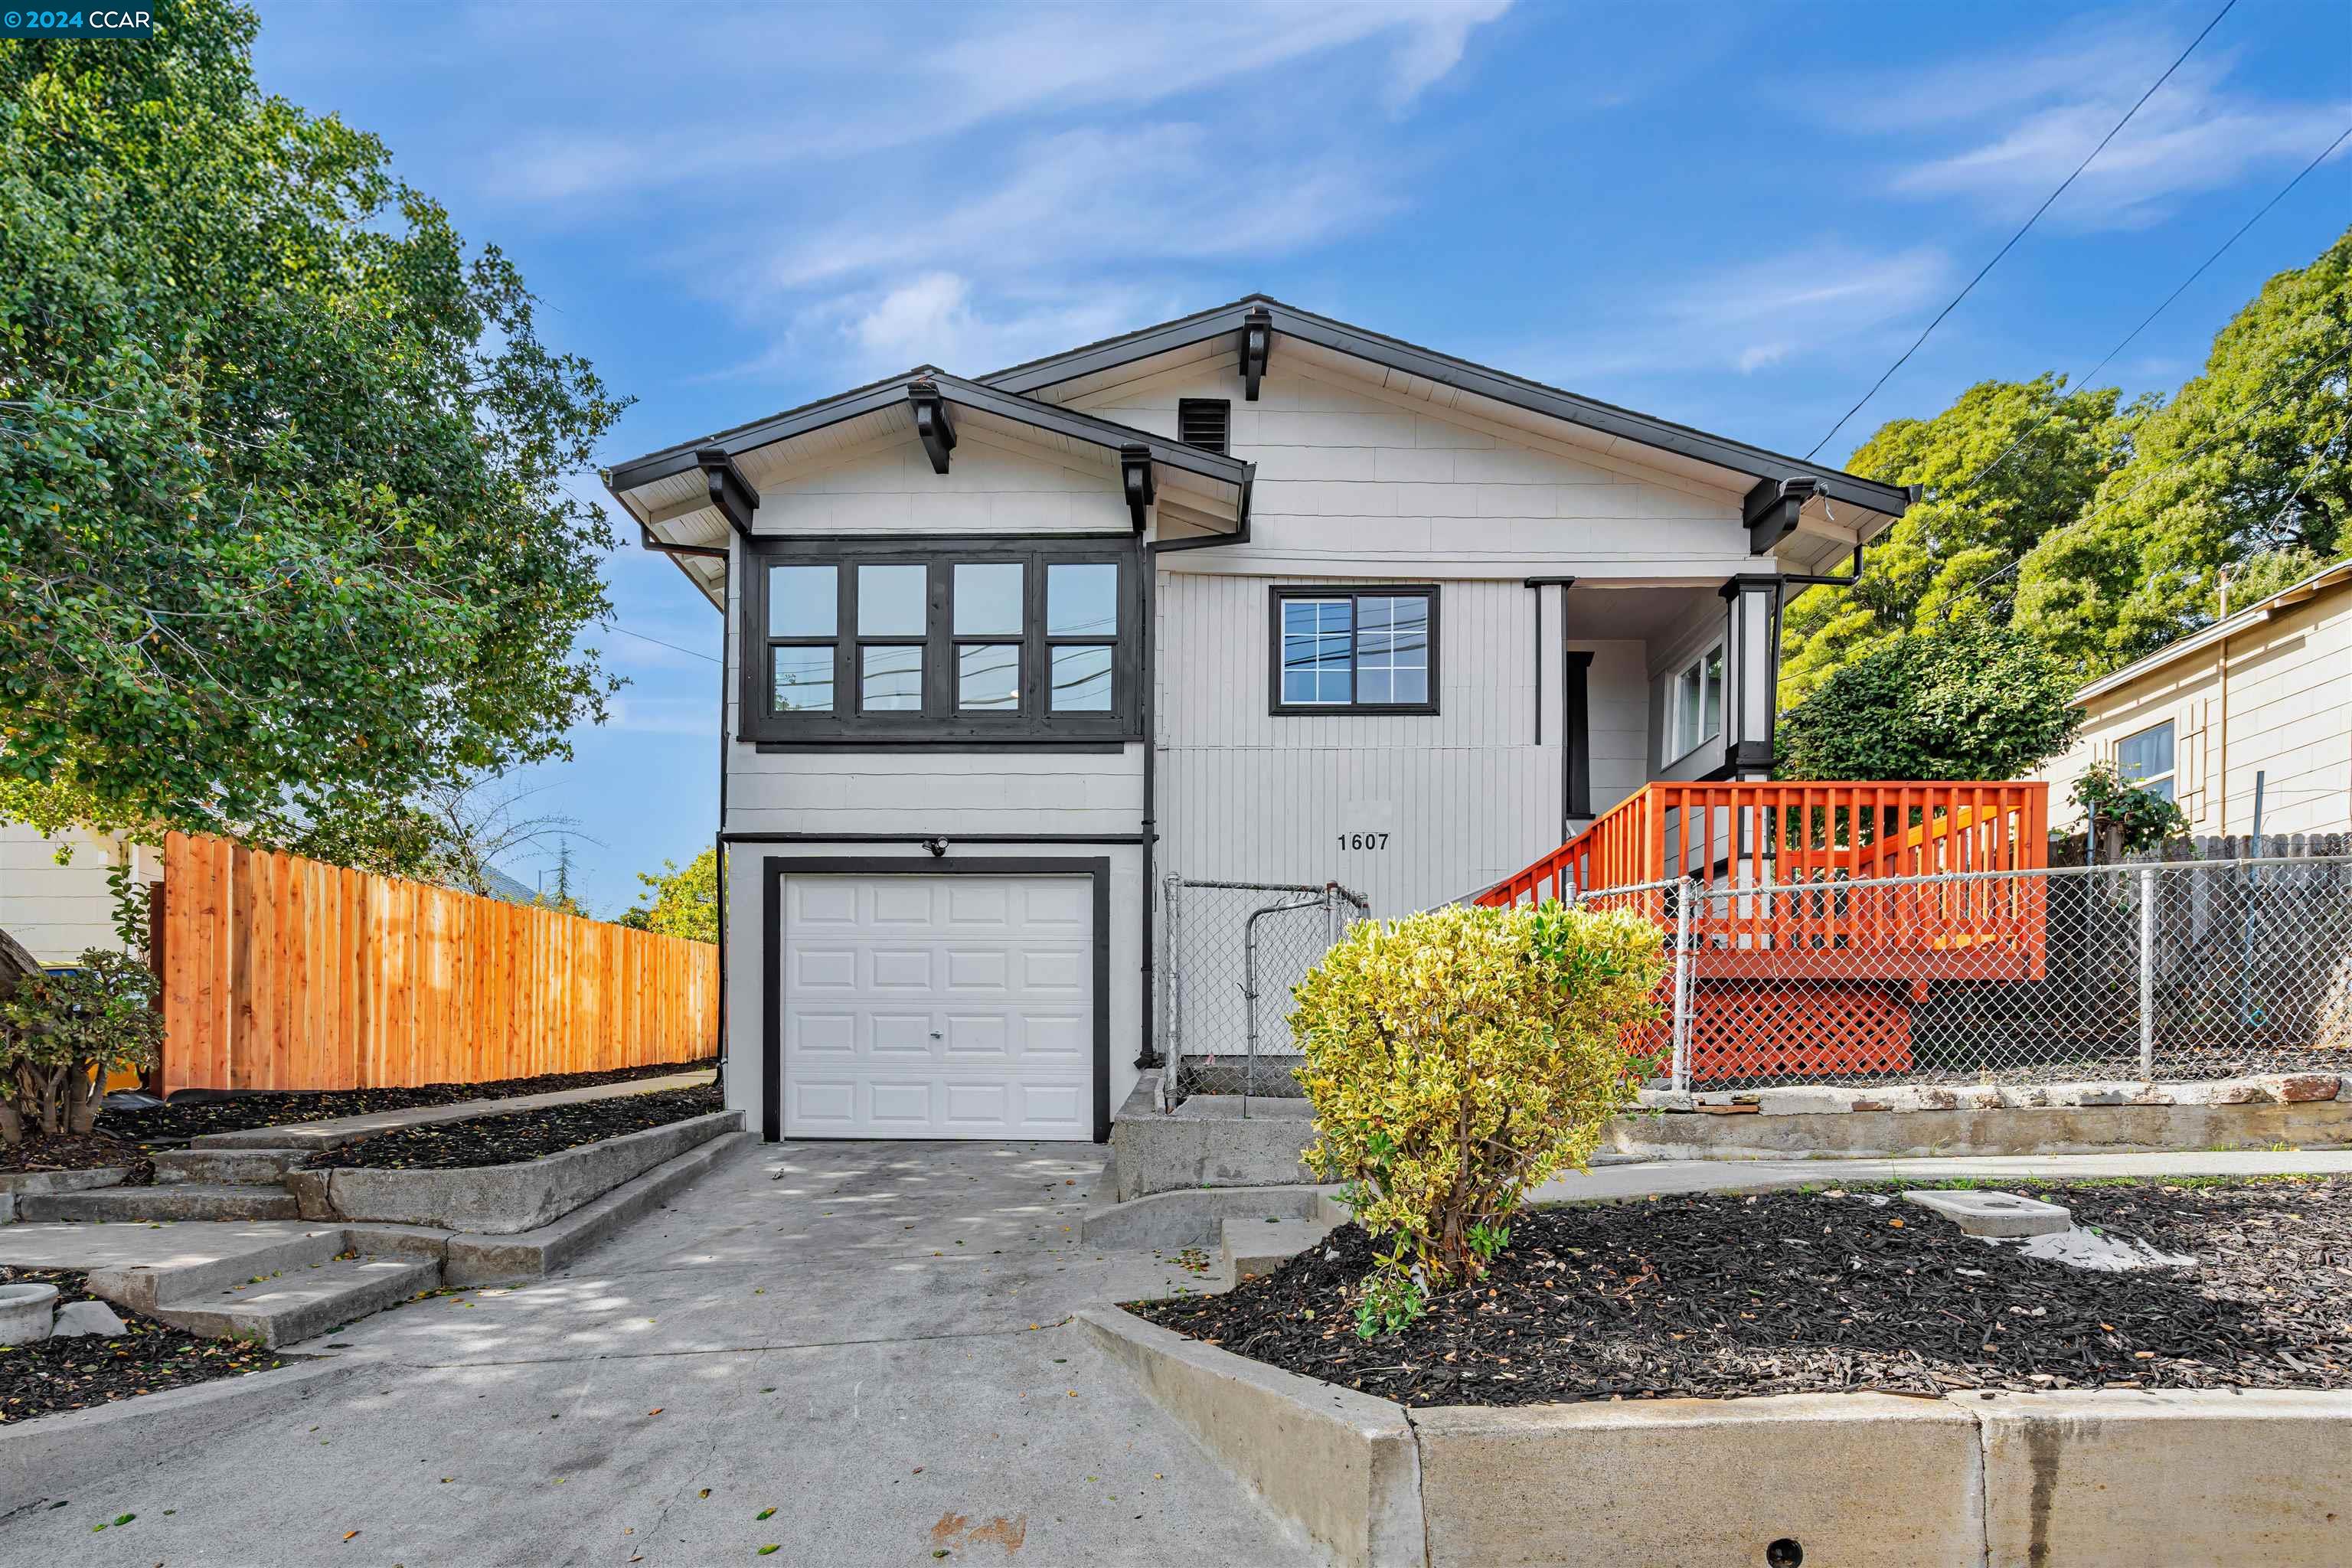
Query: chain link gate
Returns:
{"type": "Point", "coordinates": [1231, 953]}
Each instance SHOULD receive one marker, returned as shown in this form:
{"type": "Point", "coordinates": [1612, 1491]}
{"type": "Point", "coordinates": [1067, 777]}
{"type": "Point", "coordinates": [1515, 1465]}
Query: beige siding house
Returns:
{"type": "Point", "coordinates": [1251, 595]}
{"type": "Point", "coordinates": [2263, 695]}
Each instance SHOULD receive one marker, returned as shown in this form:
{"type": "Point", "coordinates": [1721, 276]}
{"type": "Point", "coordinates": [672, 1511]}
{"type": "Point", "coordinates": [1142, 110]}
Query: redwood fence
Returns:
{"type": "Point", "coordinates": [282, 972]}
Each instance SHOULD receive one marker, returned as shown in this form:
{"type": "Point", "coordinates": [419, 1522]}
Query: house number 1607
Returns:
{"type": "Point", "coordinates": [1363, 841]}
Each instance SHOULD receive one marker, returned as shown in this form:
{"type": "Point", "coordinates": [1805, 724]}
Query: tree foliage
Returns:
{"type": "Point", "coordinates": [61, 1033]}
{"type": "Point", "coordinates": [685, 902]}
{"type": "Point", "coordinates": [2246, 468]}
{"type": "Point", "coordinates": [1967, 698]}
{"type": "Point", "coordinates": [283, 533]}
{"type": "Point", "coordinates": [2003, 466]}
{"type": "Point", "coordinates": [1457, 1058]}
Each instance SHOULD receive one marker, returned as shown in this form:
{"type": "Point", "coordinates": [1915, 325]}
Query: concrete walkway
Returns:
{"type": "Point", "coordinates": [159, 1243]}
{"type": "Point", "coordinates": [869, 1339]}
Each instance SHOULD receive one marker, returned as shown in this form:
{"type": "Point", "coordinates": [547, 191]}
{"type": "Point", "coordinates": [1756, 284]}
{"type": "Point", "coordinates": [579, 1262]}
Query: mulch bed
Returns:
{"type": "Point", "coordinates": [147, 1357]}
{"type": "Point", "coordinates": [184, 1118]}
{"type": "Point", "coordinates": [66, 1151]}
{"type": "Point", "coordinates": [1717, 1296]}
{"type": "Point", "coordinates": [519, 1135]}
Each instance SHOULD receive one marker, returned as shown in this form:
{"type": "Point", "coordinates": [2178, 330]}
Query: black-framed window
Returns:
{"type": "Point", "coordinates": [1358, 649]}
{"type": "Point", "coordinates": [963, 639]}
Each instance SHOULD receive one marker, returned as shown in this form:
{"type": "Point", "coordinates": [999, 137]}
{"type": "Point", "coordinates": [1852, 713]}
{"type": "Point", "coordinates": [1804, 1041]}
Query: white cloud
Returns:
{"type": "Point", "coordinates": [933, 319]}
{"type": "Point", "coordinates": [2028, 120]}
{"type": "Point", "coordinates": [662, 715]}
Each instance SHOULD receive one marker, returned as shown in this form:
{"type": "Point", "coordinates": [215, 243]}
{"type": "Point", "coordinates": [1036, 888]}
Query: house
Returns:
{"type": "Point", "coordinates": [1387, 617]}
{"type": "Point", "coordinates": [59, 910]}
{"type": "Point", "coordinates": [2263, 695]}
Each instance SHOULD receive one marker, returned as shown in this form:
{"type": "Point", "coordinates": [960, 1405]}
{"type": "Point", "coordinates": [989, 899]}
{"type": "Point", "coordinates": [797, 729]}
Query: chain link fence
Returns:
{"type": "Point", "coordinates": [1231, 953]}
{"type": "Point", "coordinates": [2176, 971]}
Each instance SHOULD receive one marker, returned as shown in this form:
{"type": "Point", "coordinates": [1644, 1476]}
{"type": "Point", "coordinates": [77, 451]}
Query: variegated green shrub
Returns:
{"type": "Point", "coordinates": [1457, 1058]}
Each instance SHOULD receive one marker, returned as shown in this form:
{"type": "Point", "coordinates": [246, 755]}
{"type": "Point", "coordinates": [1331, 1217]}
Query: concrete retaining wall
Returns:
{"type": "Point", "coordinates": [502, 1200]}
{"type": "Point", "coordinates": [2112, 1479]}
{"type": "Point", "coordinates": [1210, 1142]}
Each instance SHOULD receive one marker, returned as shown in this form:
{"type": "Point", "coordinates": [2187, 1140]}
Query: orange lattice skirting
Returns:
{"type": "Point", "coordinates": [1760, 1028]}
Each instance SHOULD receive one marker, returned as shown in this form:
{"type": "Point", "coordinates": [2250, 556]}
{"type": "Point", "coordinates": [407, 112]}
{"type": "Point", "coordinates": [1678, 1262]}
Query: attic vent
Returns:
{"type": "Point", "coordinates": [1203, 422]}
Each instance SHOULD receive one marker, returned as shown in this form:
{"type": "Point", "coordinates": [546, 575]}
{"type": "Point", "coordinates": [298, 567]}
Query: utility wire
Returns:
{"type": "Point", "coordinates": [658, 643]}
{"type": "Point", "coordinates": [2004, 250]}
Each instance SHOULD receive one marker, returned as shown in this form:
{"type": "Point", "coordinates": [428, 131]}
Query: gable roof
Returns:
{"type": "Point", "coordinates": [1443, 370]}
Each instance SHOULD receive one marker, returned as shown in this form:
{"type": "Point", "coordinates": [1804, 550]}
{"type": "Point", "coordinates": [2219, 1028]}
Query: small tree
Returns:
{"type": "Point", "coordinates": [1963, 700]}
{"type": "Point", "coordinates": [685, 902]}
{"type": "Point", "coordinates": [1457, 1058]}
{"type": "Point", "coordinates": [61, 1033]}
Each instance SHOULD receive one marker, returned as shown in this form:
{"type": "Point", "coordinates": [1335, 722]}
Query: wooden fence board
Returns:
{"type": "Point", "coordinates": [281, 973]}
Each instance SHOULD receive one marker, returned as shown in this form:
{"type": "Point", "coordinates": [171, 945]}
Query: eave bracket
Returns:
{"type": "Point", "coordinates": [1134, 479]}
{"type": "Point", "coordinates": [1770, 510]}
{"type": "Point", "coordinates": [1257, 344]}
{"type": "Point", "coordinates": [729, 491]}
{"type": "Point", "coordinates": [932, 422]}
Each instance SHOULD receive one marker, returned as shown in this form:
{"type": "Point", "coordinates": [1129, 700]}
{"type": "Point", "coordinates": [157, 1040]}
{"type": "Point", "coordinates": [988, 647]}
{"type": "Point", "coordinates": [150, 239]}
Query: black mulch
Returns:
{"type": "Point", "coordinates": [69, 1152]}
{"type": "Point", "coordinates": [184, 1118]}
{"type": "Point", "coordinates": [519, 1135]}
{"type": "Point", "coordinates": [147, 1357]}
{"type": "Point", "coordinates": [1794, 1292]}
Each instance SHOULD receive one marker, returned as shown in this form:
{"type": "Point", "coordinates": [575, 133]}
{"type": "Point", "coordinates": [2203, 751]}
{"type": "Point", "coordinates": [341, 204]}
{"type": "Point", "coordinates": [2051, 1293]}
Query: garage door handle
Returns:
{"type": "Point", "coordinates": [935, 1034]}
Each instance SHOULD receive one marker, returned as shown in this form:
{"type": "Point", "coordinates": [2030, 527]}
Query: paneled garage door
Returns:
{"type": "Point", "coordinates": [956, 1006]}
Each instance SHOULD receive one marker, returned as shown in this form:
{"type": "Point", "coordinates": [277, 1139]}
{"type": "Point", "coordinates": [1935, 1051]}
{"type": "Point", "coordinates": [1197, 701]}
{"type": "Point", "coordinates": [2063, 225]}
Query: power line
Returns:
{"type": "Point", "coordinates": [2229, 6]}
{"type": "Point", "coordinates": [2086, 376]}
{"type": "Point", "coordinates": [674, 648]}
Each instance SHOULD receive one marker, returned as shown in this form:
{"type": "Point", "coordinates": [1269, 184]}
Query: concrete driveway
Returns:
{"type": "Point", "coordinates": [868, 1338]}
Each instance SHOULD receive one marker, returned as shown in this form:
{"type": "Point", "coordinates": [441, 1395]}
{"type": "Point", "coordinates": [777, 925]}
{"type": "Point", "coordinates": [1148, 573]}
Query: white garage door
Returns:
{"type": "Point", "coordinates": [938, 1007]}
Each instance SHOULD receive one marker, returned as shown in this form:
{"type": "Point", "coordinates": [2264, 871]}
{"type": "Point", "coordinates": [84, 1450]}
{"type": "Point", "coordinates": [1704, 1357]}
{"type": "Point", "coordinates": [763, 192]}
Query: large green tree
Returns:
{"type": "Point", "coordinates": [283, 535]}
{"type": "Point", "coordinates": [2243, 473]}
{"type": "Point", "coordinates": [1964, 698]}
{"type": "Point", "coordinates": [685, 902]}
{"type": "Point", "coordinates": [2004, 465]}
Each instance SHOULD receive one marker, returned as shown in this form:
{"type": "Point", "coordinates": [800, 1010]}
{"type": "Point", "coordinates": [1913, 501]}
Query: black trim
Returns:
{"type": "Point", "coordinates": [949, 838]}
{"type": "Point", "coordinates": [1350, 591]}
{"type": "Point", "coordinates": [776, 867]}
{"type": "Point", "coordinates": [1538, 585]}
{"type": "Point", "coordinates": [890, 744]}
{"type": "Point", "coordinates": [940, 721]}
{"type": "Point", "coordinates": [729, 491]}
{"type": "Point", "coordinates": [646, 541]}
{"type": "Point", "coordinates": [1147, 1053]}
{"type": "Point", "coordinates": [895, 390]}
{"type": "Point", "coordinates": [1394, 354]}
{"type": "Point", "coordinates": [1576, 722]}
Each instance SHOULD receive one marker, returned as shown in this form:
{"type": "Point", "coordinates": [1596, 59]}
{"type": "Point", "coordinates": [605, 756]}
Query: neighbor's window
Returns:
{"type": "Point", "coordinates": [1695, 704]}
{"type": "Point", "coordinates": [984, 639]}
{"type": "Point", "coordinates": [1357, 650]}
{"type": "Point", "coordinates": [2147, 760]}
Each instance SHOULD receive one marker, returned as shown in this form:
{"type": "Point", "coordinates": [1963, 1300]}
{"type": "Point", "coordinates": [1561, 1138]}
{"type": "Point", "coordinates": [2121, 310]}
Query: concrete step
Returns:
{"type": "Point", "coordinates": [190, 1275]}
{"type": "Point", "coordinates": [1261, 1245]}
{"type": "Point", "coordinates": [233, 1167]}
{"type": "Point", "coordinates": [169, 1201]}
{"type": "Point", "coordinates": [305, 1301]}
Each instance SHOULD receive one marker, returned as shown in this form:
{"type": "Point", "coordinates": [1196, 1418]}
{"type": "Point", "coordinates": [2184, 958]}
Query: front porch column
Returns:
{"type": "Point", "coordinates": [1751, 674]}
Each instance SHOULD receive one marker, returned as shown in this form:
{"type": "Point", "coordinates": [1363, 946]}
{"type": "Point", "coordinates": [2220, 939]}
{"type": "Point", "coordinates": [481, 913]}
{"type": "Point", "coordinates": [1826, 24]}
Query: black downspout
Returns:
{"type": "Point", "coordinates": [719, 836]}
{"type": "Point", "coordinates": [1148, 1055]}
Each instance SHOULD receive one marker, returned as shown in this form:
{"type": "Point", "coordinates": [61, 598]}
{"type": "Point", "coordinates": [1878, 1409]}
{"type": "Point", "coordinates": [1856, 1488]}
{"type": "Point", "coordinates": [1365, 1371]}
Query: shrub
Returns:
{"type": "Point", "coordinates": [61, 1033]}
{"type": "Point", "coordinates": [1457, 1058]}
{"type": "Point", "coordinates": [2136, 819]}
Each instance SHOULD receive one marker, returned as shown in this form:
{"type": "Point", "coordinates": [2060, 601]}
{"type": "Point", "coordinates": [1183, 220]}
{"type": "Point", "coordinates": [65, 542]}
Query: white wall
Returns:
{"type": "Point", "coordinates": [57, 910]}
{"type": "Point", "coordinates": [994, 485]}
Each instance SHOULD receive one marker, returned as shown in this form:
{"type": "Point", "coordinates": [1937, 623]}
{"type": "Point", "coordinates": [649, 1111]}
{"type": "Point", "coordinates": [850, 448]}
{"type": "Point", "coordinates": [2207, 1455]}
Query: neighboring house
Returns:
{"type": "Point", "coordinates": [2264, 693]}
{"type": "Point", "coordinates": [60, 911]}
{"type": "Point", "coordinates": [1386, 616]}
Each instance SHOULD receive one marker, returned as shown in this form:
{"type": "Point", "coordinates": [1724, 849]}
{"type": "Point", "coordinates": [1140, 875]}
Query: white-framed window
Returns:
{"type": "Point", "coordinates": [1694, 705]}
{"type": "Point", "coordinates": [2146, 759]}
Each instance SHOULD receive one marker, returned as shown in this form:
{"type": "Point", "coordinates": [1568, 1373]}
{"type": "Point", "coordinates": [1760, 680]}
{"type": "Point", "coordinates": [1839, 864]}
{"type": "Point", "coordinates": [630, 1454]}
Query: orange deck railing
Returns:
{"type": "Point", "coordinates": [1772, 862]}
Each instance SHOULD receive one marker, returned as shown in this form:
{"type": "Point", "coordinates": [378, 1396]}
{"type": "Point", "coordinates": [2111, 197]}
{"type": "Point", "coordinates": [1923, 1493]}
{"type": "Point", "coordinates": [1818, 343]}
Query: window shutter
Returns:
{"type": "Point", "coordinates": [1203, 422]}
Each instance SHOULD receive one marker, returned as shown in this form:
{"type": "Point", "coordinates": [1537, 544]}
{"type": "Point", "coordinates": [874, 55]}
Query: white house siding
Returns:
{"type": "Point", "coordinates": [56, 911]}
{"type": "Point", "coordinates": [2286, 714]}
{"type": "Point", "coordinates": [992, 486]}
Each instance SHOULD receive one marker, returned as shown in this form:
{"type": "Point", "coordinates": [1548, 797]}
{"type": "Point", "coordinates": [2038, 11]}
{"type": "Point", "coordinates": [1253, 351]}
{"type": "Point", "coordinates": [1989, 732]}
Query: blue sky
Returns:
{"type": "Point", "coordinates": [1731, 216]}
